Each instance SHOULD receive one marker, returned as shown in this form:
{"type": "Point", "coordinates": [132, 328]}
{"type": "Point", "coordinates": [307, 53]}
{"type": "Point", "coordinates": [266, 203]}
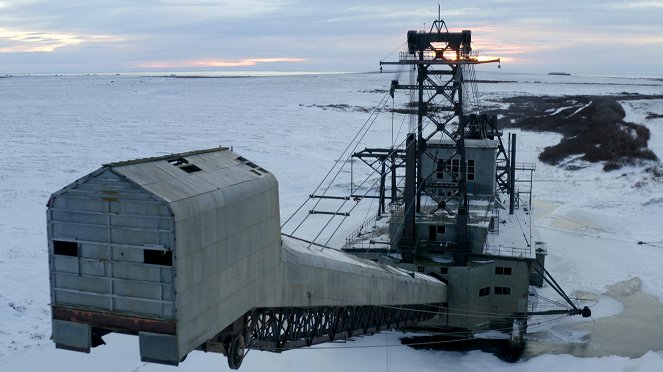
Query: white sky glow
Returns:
{"type": "Point", "coordinates": [592, 37]}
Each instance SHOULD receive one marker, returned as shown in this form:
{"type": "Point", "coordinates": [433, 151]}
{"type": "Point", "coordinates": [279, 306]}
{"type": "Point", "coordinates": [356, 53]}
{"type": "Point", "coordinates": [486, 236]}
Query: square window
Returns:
{"type": "Point", "coordinates": [63, 248]}
{"type": "Point", "coordinates": [158, 257]}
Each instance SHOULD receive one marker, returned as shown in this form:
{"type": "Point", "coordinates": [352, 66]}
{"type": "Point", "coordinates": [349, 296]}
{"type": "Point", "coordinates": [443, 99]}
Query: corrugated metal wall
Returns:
{"type": "Point", "coordinates": [99, 231]}
{"type": "Point", "coordinates": [227, 259]}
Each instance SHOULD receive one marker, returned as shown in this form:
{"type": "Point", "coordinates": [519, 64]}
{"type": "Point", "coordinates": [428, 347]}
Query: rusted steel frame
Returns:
{"type": "Point", "coordinates": [114, 321]}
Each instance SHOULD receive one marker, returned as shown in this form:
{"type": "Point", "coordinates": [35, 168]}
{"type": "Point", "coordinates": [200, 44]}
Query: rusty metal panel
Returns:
{"type": "Point", "coordinates": [114, 321]}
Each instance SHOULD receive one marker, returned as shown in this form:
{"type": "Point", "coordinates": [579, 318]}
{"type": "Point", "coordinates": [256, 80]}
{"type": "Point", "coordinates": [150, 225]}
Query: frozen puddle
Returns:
{"type": "Point", "coordinates": [637, 329]}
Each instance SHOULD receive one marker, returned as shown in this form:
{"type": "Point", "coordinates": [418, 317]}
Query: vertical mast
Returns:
{"type": "Point", "coordinates": [439, 57]}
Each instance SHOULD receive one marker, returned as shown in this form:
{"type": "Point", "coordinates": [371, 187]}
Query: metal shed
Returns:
{"type": "Point", "coordinates": [178, 249]}
{"type": "Point", "coordinates": [143, 246]}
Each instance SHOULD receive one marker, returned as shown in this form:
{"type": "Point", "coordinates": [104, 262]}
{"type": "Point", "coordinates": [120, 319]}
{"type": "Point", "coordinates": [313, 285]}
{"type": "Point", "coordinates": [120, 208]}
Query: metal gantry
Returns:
{"type": "Point", "coordinates": [441, 59]}
{"type": "Point", "coordinates": [285, 328]}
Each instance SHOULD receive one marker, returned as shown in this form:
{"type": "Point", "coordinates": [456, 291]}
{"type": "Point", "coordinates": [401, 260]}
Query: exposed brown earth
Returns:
{"type": "Point", "coordinates": [593, 127]}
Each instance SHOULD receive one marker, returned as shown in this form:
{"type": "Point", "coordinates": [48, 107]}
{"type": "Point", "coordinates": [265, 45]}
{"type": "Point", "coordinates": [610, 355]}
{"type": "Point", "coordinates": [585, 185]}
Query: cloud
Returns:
{"type": "Point", "coordinates": [246, 62]}
{"type": "Point", "coordinates": [14, 41]}
{"type": "Point", "coordinates": [344, 36]}
{"type": "Point", "coordinates": [638, 5]}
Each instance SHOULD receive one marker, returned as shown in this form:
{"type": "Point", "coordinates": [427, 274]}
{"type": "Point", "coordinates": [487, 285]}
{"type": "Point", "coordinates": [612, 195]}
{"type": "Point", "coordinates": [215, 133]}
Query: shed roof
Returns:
{"type": "Point", "coordinates": [180, 176]}
{"type": "Point", "coordinates": [190, 182]}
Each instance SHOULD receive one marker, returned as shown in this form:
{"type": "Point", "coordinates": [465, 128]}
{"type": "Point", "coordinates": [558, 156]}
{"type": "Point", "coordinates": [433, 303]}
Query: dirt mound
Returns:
{"type": "Point", "coordinates": [593, 127]}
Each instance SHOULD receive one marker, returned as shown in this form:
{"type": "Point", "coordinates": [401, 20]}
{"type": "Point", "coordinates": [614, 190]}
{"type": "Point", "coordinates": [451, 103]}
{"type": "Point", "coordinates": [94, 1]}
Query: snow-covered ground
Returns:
{"type": "Point", "coordinates": [59, 128]}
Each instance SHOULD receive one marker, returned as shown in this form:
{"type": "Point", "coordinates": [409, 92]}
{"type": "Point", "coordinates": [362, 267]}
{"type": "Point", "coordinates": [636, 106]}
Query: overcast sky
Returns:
{"type": "Point", "coordinates": [577, 36]}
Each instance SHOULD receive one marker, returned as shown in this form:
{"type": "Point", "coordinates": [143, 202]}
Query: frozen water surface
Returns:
{"type": "Point", "coordinates": [56, 129]}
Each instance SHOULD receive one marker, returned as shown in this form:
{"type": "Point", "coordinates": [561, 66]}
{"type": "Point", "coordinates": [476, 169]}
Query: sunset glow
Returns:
{"type": "Point", "coordinates": [59, 36]}
{"type": "Point", "coordinates": [246, 62]}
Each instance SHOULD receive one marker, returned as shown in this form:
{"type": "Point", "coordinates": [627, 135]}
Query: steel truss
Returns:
{"type": "Point", "coordinates": [280, 329]}
{"type": "Point", "coordinates": [286, 328]}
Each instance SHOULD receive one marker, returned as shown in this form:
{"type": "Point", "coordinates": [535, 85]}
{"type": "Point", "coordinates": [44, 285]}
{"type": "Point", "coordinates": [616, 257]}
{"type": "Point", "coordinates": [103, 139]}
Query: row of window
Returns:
{"type": "Point", "coordinates": [497, 290]}
{"type": "Point", "coordinates": [150, 256]}
{"type": "Point", "coordinates": [453, 166]}
{"type": "Point", "coordinates": [502, 270]}
{"type": "Point", "coordinates": [499, 270]}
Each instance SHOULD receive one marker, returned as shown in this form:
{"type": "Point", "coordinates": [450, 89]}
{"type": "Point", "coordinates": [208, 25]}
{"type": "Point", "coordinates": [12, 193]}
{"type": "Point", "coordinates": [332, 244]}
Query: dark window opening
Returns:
{"type": "Point", "coordinates": [184, 165]}
{"type": "Point", "coordinates": [65, 248]}
{"type": "Point", "coordinates": [455, 168]}
{"type": "Point", "coordinates": [485, 291]}
{"type": "Point", "coordinates": [502, 270]}
{"type": "Point", "coordinates": [433, 230]}
{"type": "Point", "coordinates": [440, 169]}
{"type": "Point", "coordinates": [470, 170]}
{"type": "Point", "coordinates": [157, 257]}
{"type": "Point", "coordinates": [502, 290]}
{"type": "Point", "coordinates": [420, 269]}
{"type": "Point", "coordinates": [256, 172]}
{"type": "Point", "coordinates": [444, 270]}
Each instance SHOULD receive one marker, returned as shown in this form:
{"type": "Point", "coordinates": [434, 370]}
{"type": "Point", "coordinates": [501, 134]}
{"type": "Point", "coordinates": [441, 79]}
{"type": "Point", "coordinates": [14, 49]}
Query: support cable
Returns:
{"type": "Point", "coordinates": [363, 129]}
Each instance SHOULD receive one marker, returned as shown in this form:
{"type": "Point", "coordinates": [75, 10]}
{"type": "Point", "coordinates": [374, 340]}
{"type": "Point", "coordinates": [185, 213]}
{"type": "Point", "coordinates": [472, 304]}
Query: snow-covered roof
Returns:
{"type": "Point", "coordinates": [472, 143]}
{"type": "Point", "coordinates": [301, 252]}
